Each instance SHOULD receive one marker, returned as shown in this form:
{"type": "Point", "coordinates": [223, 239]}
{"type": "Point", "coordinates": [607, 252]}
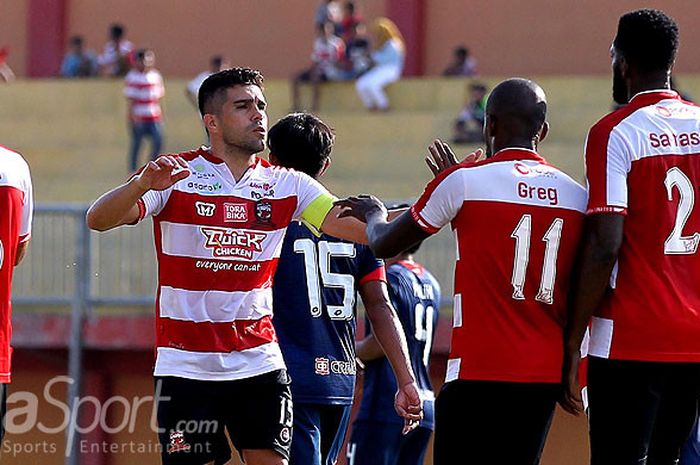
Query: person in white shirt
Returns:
{"type": "Point", "coordinates": [216, 64]}
{"type": "Point", "coordinates": [116, 57]}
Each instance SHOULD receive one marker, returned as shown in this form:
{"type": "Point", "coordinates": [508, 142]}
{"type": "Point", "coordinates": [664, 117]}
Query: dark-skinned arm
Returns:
{"type": "Point", "coordinates": [368, 349]}
{"type": "Point", "coordinates": [598, 253]}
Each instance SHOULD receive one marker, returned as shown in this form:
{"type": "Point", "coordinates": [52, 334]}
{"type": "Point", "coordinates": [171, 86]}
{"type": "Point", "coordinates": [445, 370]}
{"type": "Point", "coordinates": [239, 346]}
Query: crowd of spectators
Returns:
{"type": "Point", "coordinates": [116, 59]}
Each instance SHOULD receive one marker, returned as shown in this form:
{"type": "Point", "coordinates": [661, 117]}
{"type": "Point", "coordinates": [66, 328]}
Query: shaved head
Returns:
{"type": "Point", "coordinates": [518, 108]}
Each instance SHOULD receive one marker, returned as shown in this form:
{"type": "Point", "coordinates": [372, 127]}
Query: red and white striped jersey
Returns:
{"type": "Point", "coordinates": [643, 161]}
{"type": "Point", "coordinates": [16, 209]}
{"type": "Point", "coordinates": [517, 222]}
{"type": "Point", "coordinates": [144, 91]}
{"type": "Point", "coordinates": [217, 243]}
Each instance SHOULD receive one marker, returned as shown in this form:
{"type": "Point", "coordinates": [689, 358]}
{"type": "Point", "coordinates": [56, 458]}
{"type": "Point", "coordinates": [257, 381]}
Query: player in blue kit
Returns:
{"type": "Point", "coordinates": [376, 433]}
{"type": "Point", "coordinates": [314, 297]}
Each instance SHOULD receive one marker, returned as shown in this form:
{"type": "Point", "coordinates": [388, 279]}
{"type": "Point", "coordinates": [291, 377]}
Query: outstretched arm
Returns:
{"type": "Point", "coordinates": [600, 246]}
{"type": "Point", "coordinates": [119, 206]}
{"type": "Point", "coordinates": [389, 333]}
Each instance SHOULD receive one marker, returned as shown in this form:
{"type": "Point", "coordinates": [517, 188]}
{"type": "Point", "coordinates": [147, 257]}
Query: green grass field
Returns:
{"type": "Point", "coordinates": [74, 133]}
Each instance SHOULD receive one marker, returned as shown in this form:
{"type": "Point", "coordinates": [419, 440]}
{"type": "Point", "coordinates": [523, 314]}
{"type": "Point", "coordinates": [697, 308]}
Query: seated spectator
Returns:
{"type": "Point", "coordinates": [78, 62]}
{"type": "Point", "coordinates": [387, 65]}
{"type": "Point", "coordinates": [6, 73]}
{"type": "Point", "coordinates": [469, 126]}
{"type": "Point", "coordinates": [357, 58]}
{"type": "Point", "coordinates": [328, 10]}
{"type": "Point", "coordinates": [216, 63]}
{"type": "Point", "coordinates": [328, 51]}
{"type": "Point", "coordinates": [117, 56]}
{"type": "Point", "coordinates": [351, 19]}
{"type": "Point", "coordinates": [463, 64]}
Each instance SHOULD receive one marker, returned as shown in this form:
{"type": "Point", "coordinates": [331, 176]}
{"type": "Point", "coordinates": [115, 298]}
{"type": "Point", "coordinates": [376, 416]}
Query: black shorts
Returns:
{"type": "Point", "coordinates": [493, 422]}
{"type": "Point", "coordinates": [193, 415]}
{"type": "Point", "coordinates": [3, 408]}
{"type": "Point", "coordinates": [640, 409]}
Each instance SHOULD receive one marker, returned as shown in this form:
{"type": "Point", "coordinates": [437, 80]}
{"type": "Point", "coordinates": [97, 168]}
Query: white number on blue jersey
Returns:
{"type": "Point", "coordinates": [676, 243]}
{"type": "Point", "coordinates": [552, 237]}
{"type": "Point", "coordinates": [424, 328]}
{"type": "Point", "coordinates": [317, 261]}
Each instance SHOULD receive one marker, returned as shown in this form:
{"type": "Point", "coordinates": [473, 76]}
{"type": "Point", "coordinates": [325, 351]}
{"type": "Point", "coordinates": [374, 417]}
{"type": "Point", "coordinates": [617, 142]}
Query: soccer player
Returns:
{"type": "Point", "coordinates": [517, 223]}
{"type": "Point", "coordinates": [639, 268]}
{"type": "Point", "coordinates": [376, 433]}
{"type": "Point", "coordinates": [16, 210]}
{"type": "Point", "coordinates": [314, 300]}
{"type": "Point", "coordinates": [219, 215]}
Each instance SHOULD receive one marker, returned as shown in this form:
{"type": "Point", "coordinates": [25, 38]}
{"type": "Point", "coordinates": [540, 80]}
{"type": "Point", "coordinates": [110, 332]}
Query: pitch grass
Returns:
{"type": "Point", "coordinates": [74, 133]}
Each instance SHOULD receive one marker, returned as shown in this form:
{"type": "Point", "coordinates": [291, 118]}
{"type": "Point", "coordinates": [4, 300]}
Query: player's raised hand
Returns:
{"type": "Point", "coordinates": [442, 157]}
{"type": "Point", "coordinates": [163, 172]}
{"type": "Point", "coordinates": [409, 405]}
{"type": "Point", "coordinates": [570, 399]}
{"type": "Point", "coordinates": [360, 207]}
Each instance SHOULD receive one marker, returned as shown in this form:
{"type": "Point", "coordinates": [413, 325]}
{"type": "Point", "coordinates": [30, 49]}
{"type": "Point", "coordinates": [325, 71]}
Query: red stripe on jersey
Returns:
{"type": "Point", "coordinates": [597, 150]}
{"type": "Point", "coordinates": [379, 274]}
{"type": "Point", "coordinates": [424, 225]}
{"type": "Point", "coordinates": [234, 212]}
{"type": "Point", "coordinates": [203, 274]}
{"type": "Point", "coordinates": [215, 337]}
{"type": "Point", "coordinates": [148, 101]}
{"type": "Point", "coordinates": [415, 268]}
{"type": "Point", "coordinates": [140, 84]}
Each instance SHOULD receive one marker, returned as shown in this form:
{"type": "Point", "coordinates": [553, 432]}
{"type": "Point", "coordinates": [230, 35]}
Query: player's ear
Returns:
{"type": "Point", "coordinates": [544, 130]}
{"type": "Point", "coordinates": [210, 122]}
{"type": "Point", "coordinates": [326, 165]}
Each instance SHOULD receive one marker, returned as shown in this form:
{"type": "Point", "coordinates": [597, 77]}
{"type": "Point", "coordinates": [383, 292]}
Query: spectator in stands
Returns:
{"type": "Point", "coordinates": [143, 88]}
{"type": "Point", "coordinates": [327, 53]}
{"type": "Point", "coordinates": [463, 64]}
{"type": "Point", "coordinates": [78, 62]}
{"type": "Point", "coordinates": [328, 10]}
{"type": "Point", "coordinates": [351, 19]}
{"type": "Point", "coordinates": [470, 122]}
{"type": "Point", "coordinates": [357, 58]}
{"type": "Point", "coordinates": [387, 65]}
{"type": "Point", "coordinates": [6, 73]}
{"type": "Point", "coordinates": [117, 56]}
{"type": "Point", "coordinates": [216, 64]}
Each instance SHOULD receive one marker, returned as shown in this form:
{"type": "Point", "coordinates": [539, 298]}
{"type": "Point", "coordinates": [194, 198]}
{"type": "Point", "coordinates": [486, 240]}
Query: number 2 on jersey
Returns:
{"type": "Point", "coordinates": [676, 243]}
{"type": "Point", "coordinates": [318, 260]}
{"type": "Point", "coordinates": [552, 238]}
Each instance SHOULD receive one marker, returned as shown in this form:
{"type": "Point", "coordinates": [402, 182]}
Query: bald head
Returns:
{"type": "Point", "coordinates": [516, 111]}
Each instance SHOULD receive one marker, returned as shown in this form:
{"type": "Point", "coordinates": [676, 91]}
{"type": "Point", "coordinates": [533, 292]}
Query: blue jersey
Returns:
{"type": "Point", "coordinates": [415, 294]}
{"type": "Point", "coordinates": [314, 297]}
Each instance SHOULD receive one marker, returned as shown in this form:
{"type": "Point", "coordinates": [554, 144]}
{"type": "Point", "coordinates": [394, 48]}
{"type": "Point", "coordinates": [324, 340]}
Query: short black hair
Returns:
{"type": "Point", "coordinates": [141, 53]}
{"type": "Point", "coordinates": [647, 39]}
{"type": "Point", "coordinates": [214, 87]}
{"type": "Point", "coordinates": [116, 31]}
{"type": "Point", "coordinates": [76, 40]}
{"type": "Point", "coordinates": [520, 105]}
{"type": "Point", "coordinates": [217, 60]}
{"type": "Point", "coordinates": [301, 141]}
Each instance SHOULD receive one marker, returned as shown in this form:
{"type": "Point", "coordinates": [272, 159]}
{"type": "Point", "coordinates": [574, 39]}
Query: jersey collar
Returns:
{"type": "Point", "coordinates": [205, 152]}
{"type": "Point", "coordinates": [515, 154]}
{"type": "Point", "coordinates": [650, 97]}
{"type": "Point", "coordinates": [417, 268]}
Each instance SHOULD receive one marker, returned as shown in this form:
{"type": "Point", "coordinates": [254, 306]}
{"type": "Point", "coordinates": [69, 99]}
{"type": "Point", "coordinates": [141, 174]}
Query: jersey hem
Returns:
{"type": "Point", "coordinates": [672, 357]}
{"type": "Point", "coordinates": [209, 376]}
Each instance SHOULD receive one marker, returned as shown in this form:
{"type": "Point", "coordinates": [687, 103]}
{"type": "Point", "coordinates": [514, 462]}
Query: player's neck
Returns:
{"type": "Point", "coordinates": [514, 143]}
{"type": "Point", "coordinates": [652, 81]}
{"type": "Point", "coordinates": [237, 160]}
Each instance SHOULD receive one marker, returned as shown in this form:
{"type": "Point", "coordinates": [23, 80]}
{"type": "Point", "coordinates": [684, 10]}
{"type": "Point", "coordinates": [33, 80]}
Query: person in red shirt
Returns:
{"type": "Point", "coordinates": [517, 223]}
{"type": "Point", "coordinates": [16, 210]}
{"type": "Point", "coordinates": [639, 267]}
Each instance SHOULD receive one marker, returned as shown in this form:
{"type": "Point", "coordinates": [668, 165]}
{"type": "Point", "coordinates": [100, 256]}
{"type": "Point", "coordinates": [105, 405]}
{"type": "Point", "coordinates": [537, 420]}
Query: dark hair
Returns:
{"type": "Point", "coordinates": [141, 53]}
{"type": "Point", "coordinates": [301, 141]}
{"type": "Point", "coordinates": [462, 51]}
{"type": "Point", "coordinates": [217, 60]}
{"type": "Point", "coordinates": [116, 31]}
{"type": "Point", "coordinates": [647, 39]}
{"type": "Point", "coordinates": [214, 87]}
{"type": "Point", "coordinates": [76, 40]}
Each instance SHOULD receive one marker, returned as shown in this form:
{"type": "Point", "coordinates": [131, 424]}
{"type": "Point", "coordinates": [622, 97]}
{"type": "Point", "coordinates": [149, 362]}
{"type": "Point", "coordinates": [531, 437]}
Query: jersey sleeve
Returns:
{"type": "Point", "coordinates": [370, 268]}
{"type": "Point", "coordinates": [440, 201]}
{"type": "Point", "coordinates": [607, 164]}
{"type": "Point", "coordinates": [25, 229]}
{"type": "Point", "coordinates": [313, 200]}
{"type": "Point", "coordinates": [152, 202]}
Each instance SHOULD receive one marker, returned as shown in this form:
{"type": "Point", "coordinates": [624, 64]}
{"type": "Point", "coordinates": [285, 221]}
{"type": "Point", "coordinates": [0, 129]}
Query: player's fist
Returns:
{"type": "Point", "coordinates": [162, 173]}
{"type": "Point", "coordinates": [409, 405]}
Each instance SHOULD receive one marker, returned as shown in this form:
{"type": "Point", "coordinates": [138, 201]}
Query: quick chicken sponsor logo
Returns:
{"type": "Point", "coordinates": [233, 243]}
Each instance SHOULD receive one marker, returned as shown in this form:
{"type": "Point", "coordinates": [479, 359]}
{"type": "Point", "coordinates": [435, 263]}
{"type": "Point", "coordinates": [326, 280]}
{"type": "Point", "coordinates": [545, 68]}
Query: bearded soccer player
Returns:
{"type": "Point", "coordinates": [517, 222]}
{"type": "Point", "coordinates": [314, 306]}
{"type": "Point", "coordinates": [639, 268]}
{"type": "Point", "coordinates": [220, 215]}
{"type": "Point", "coordinates": [16, 210]}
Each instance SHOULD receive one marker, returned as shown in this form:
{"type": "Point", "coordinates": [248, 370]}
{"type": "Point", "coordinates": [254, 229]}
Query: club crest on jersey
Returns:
{"type": "Point", "coordinates": [233, 243]}
{"type": "Point", "coordinates": [235, 213]}
{"type": "Point", "coordinates": [263, 212]}
{"type": "Point", "coordinates": [205, 208]}
{"type": "Point", "coordinates": [322, 366]}
{"type": "Point", "coordinates": [177, 443]}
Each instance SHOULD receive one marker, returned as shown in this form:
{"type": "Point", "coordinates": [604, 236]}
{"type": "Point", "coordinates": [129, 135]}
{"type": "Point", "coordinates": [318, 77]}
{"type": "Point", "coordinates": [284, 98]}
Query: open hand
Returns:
{"type": "Point", "coordinates": [163, 172]}
{"type": "Point", "coordinates": [409, 405]}
{"type": "Point", "coordinates": [360, 207]}
{"type": "Point", "coordinates": [442, 157]}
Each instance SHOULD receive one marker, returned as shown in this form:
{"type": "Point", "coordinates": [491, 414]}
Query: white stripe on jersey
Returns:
{"type": "Point", "coordinates": [216, 366]}
{"type": "Point", "coordinates": [214, 306]}
{"type": "Point", "coordinates": [221, 243]}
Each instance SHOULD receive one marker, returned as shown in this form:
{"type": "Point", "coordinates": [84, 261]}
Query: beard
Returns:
{"type": "Point", "coordinates": [620, 90]}
{"type": "Point", "coordinates": [251, 145]}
